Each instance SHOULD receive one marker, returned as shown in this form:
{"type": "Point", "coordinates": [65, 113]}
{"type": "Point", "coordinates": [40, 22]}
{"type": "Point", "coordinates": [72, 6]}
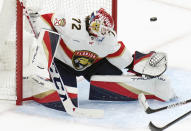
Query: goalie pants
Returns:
{"type": "Point", "coordinates": [103, 67]}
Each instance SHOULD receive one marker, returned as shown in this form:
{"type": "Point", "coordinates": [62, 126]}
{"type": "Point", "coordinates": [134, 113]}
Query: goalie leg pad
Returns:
{"type": "Point", "coordinates": [48, 96]}
{"type": "Point", "coordinates": [126, 88]}
{"type": "Point", "coordinates": [42, 91]}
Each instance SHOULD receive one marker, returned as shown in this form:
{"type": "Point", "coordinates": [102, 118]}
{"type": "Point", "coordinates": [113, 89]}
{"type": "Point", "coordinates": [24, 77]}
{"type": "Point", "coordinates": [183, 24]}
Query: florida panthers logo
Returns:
{"type": "Point", "coordinates": [83, 59]}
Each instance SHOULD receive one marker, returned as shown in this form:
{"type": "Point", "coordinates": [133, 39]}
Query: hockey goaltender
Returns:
{"type": "Point", "coordinates": [89, 48]}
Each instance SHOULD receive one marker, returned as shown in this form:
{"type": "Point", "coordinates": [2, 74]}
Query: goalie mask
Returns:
{"type": "Point", "coordinates": [100, 23]}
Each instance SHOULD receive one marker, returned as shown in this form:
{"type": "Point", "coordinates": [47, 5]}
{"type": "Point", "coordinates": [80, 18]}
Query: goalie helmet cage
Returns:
{"type": "Point", "coordinates": [13, 13]}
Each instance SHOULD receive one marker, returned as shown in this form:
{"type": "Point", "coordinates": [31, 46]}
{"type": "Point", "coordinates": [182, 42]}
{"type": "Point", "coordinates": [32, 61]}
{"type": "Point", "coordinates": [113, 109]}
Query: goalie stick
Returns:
{"type": "Point", "coordinates": [155, 128]}
{"type": "Point", "coordinates": [148, 110]}
{"type": "Point", "coordinates": [66, 101]}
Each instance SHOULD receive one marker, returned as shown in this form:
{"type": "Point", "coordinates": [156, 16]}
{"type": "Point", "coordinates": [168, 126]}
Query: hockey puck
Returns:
{"type": "Point", "coordinates": [153, 19]}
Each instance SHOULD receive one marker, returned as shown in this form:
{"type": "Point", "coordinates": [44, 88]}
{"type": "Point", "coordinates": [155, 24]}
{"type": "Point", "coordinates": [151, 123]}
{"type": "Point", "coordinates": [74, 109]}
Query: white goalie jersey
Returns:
{"type": "Point", "coordinates": [78, 49]}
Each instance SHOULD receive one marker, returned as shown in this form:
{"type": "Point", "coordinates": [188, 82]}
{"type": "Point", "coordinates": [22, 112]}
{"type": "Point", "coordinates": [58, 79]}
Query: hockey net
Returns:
{"type": "Point", "coordinates": [18, 44]}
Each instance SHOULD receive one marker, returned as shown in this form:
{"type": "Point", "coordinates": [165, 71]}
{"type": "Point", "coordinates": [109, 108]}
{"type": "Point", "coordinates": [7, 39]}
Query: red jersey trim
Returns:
{"type": "Point", "coordinates": [67, 51]}
{"type": "Point", "coordinates": [119, 52]}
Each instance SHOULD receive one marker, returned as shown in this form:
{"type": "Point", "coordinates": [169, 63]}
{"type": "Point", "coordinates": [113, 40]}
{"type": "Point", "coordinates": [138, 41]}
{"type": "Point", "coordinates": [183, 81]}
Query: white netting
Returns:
{"type": "Point", "coordinates": [7, 28]}
{"type": "Point", "coordinates": [80, 8]}
{"type": "Point", "coordinates": [7, 50]}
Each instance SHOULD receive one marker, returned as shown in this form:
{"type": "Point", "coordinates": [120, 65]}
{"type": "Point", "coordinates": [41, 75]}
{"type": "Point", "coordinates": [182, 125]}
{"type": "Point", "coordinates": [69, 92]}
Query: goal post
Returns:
{"type": "Point", "coordinates": [17, 41]}
{"type": "Point", "coordinates": [114, 13]}
{"type": "Point", "coordinates": [19, 53]}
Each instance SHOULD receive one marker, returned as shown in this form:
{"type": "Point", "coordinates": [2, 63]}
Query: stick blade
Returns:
{"type": "Point", "coordinates": [82, 112]}
{"type": "Point", "coordinates": [154, 128]}
{"type": "Point", "coordinates": [89, 113]}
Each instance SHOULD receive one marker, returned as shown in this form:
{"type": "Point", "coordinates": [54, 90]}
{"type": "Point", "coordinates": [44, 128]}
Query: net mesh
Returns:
{"type": "Point", "coordinates": [80, 8]}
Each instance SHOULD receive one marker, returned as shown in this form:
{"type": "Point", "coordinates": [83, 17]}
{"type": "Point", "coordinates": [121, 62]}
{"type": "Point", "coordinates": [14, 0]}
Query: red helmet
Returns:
{"type": "Point", "coordinates": [100, 23]}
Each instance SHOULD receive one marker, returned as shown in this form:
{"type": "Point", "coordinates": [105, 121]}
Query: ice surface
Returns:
{"type": "Point", "coordinates": [171, 33]}
{"type": "Point", "coordinates": [118, 115]}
